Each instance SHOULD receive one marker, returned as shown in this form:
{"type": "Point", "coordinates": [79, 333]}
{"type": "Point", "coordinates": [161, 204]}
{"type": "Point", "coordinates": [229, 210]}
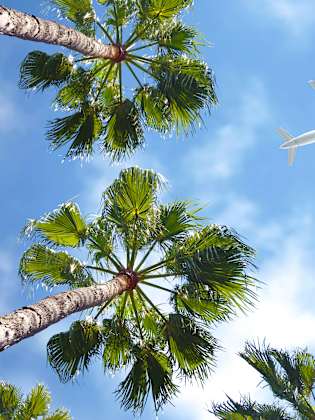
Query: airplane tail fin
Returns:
{"type": "Point", "coordinates": [312, 83]}
{"type": "Point", "coordinates": [291, 155]}
{"type": "Point", "coordinates": [284, 134]}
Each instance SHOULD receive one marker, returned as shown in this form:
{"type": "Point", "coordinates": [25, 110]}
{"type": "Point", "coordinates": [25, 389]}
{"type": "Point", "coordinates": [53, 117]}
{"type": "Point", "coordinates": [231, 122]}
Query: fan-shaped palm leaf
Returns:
{"type": "Point", "coordinates": [200, 272]}
{"type": "Point", "coordinates": [166, 90]}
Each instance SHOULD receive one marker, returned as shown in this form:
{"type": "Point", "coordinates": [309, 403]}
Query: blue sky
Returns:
{"type": "Point", "coordinates": [263, 56]}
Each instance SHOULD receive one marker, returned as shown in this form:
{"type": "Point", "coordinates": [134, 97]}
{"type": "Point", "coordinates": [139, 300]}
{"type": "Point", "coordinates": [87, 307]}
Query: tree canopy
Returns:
{"type": "Point", "coordinates": [187, 276]}
{"type": "Point", "coordinates": [158, 81]}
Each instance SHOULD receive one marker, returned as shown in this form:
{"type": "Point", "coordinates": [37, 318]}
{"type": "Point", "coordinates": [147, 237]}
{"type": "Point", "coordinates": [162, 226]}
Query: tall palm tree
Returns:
{"type": "Point", "coordinates": [173, 278]}
{"type": "Point", "coordinates": [166, 88]}
{"type": "Point", "coordinates": [14, 406]}
{"type": "Point", "coordinates": [291, 378]}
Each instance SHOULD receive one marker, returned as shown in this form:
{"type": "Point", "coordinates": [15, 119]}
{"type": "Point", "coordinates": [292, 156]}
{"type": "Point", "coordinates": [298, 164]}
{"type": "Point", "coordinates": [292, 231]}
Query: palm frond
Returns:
{"type": "Point", "coordinates": [40, 70]}
{"type": "Point", "coordinates": [65, 226]}
{"type": "Point", "coordinates": [36, 403]}
{"type": "Point", "coordinates": [42, 265]}
{"type": "Point", "coordinates": [118, 344]}
{"type": "Point", "coordinates": [59, 414]}
{"type": "Point", "coordinates": [161, 9]}
{"type": "Point", "coordinates": [150, 372]}
{"type": "Point", "coordinates": [81, 129]}
{"type": "Point", "coordinates": [71, 352]}
{"type": "Point", "coordinates": [119, 12]}
{"type": "Point", "coordinates": [191, 347]}
{"type": "Point", "coordinates": [188, 86]}
{"type": "Point", "coordinates": [178, 38]}
{"type": "Point", "coordinates": [123, 132]}
{"type": "Point", "coordinates": [81, 13]}
{"type": "Point", "coordinates": [248, 410]}
{"type": "Point", "coordinates": [10, 399]}
{"type": "Point", "coordinates": [101, 239]}
{"type": "Point", "coordinates": [197, 301]}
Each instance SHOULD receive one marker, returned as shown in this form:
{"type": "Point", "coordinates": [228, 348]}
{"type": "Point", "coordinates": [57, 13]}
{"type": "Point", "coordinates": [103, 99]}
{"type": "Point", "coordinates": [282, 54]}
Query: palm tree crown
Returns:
{"type": "Point", "coordinates": [13, 406]}
{"type": "Point", "coordinates": [166, 88]}
{"type": "Point", "coordinates": [200, 272]}
{"type": "Point", "coordinates": [291, 378]}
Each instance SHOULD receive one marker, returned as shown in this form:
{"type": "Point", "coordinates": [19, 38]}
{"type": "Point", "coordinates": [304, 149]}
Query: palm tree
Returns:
{"type": "Point", "coordinates": [173, 278]}
{"type": "Point", "coordinates": [291, 378]}
{"type": "Point", "coordinates": [14, 406]}
{"type": "Point", "coordinates": [166, 88]}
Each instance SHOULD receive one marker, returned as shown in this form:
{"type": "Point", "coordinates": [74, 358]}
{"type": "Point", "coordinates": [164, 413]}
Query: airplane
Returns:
{"type": "Point", "coordinates": [292, 143]}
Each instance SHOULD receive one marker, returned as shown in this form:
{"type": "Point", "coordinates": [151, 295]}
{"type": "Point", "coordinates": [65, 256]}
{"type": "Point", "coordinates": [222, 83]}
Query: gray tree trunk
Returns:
{"type": "Point", "coordinates": [30, 320]}
{"type": "Point", "coordinates": [22, 25]}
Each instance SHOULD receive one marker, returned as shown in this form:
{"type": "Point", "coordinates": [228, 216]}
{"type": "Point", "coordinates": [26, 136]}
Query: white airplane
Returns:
{"type": "Point", "coordinates": [292, 143]}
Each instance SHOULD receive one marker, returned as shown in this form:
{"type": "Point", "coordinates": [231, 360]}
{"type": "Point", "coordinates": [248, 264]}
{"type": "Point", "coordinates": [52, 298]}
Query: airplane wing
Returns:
{"type": "Point", "coordinates": [284, 134]}
{"type": "Point", "coordinates": [291, 156]}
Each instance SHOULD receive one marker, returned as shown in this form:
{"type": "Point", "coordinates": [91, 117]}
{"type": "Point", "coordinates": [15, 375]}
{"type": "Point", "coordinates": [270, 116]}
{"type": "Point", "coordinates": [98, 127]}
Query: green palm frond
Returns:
{"type": "Point", "coordinates": [70, 353]}
{"type": "Point", "coordinates": [118, 344]}
{"type": "Point", "coordinates": [81, 13]}
{"type": "Point", "coordinates": [81, 129]}
{"type": "Point", "coordinates": [178, 38]}
{"type": "Point", "coordinates": [191, 346]}
{"type": "Point", "coordinates": [41, 264]}
{"type": "Point", "coordinates": [10, 399]}
{"type": "Point", "coordinates": [164, 248]}
{"type": "Point", "coordinates": [248, 410]}
{"type": "Point", "coordinates": [40, 70]}
{"type": "Point", "coordinates": [199, 302]}
{"type": "Point", "coordinates": [124, 131]}
{"type": "Point", "coordinates": [150, 372]}
{"type": "Point", "coordinates": [14, 406]}
{"type": "Point", "coordinates": [62, 227]}
{"type": "Point", "coordinates": [158, 81]}
{"type": "Point", "coordinates": [163, 9]}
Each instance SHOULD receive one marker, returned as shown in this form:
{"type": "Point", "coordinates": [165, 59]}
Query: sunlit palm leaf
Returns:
{"type": "Point", "coordinates": [10, 399]}
{"type": "Point", "coordinates": [151, 372]}
{"type": "Point", "coordinates": [36, 404]}
{"type": "Point", "coordinates": [40, 70]}
{"type": "Point", "coordinates": [81, 13]}
{"type": "Point", "coordinates": [71, 352]}
{"type": "Point", "coordinates": [191, 346]}
{"type": "Point", "coordinates": [64, 226]}
{"type": "Point", "coordinates": [40, 264]}
{"type": "Point", "coordinates": [81, 129]}
{"type": "Point", "coordinates": [178, 38]}
{"type": "Point", "coordinates": [163, 9]}
{"type": "Point", "coordinates": [123, 132]}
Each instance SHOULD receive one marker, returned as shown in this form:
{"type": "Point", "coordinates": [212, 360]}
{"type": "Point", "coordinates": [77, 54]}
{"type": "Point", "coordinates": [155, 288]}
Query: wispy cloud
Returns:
{"type": "Point", "coordinates": [222, 156]}
{"type": "Point", "coordinates": [295, 16]}
{"type": "Point", "coordinates": [282, 316]}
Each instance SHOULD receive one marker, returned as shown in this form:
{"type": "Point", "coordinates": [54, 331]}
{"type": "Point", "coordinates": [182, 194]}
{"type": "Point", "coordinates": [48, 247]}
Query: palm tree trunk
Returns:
{"type": "Point", "coordinates": [30, 320]}
{"type": "Point", "coordinates": [22, 25]}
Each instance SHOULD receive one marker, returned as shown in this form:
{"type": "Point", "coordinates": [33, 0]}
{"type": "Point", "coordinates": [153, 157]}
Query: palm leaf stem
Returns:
{"type": "Point", "coordinates": [134, 74]}
{"type": "Point", "coordinates": [94, 73]}
{"type": "Point", "coordinates": [117, 264]}
{"type": "Point", "coordinates": [120, 82]}
{"type": "Point", "coordinates": [143, 47]}
{"type": "Point", "coordinates": [141, 58]}
{"type": "Point", "coordinates": [104, 81]}
{"type": "Point", "coordinates": [135, 37]}
{"type": "Point", "coordinates": [136, 313]}
{"type": "Point", "coordinates": [159, 276]}
{"type": "Point", "coordinates": [142, 68]}
{"type": "Point", "coordinates": [145, 256]}
{"type": "Point", "coordinates": [151, 303]}
{"type": "Point", "coordinates": [158, 287]}
{"type": "Point", "coordinates": [105, 32]}
{"type": "Point", "coordinates": [86, 59]}
{"type": "Point", "coordinates": [155, 266]}
{"type": "Point", "coordinates": [123, 307]}
{"type": "Point", "coordinates": [116, 25]}
{"type": "Point", "coordinates": [104, 270]}
{"type": "Point", "coordinates": [102, 309]}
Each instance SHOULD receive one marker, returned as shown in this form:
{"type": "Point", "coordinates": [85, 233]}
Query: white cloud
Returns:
{"type": "Point", "coordinates": [297, 16]}
{"type": "Point", "coordinates": [223, 155]}
{"type": "Point", "coordinates": [282, 315]}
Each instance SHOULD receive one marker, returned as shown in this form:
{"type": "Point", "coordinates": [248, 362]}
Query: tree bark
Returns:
{"type": "Point", "coordinates": [30, 320]}
{"type": "Point", "coordinates": [22, 25]}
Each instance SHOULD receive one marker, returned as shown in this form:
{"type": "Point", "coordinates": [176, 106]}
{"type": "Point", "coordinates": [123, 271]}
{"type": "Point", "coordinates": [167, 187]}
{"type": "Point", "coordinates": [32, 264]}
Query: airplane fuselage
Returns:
{"type": "Point", "coordinates": [302, 140]}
